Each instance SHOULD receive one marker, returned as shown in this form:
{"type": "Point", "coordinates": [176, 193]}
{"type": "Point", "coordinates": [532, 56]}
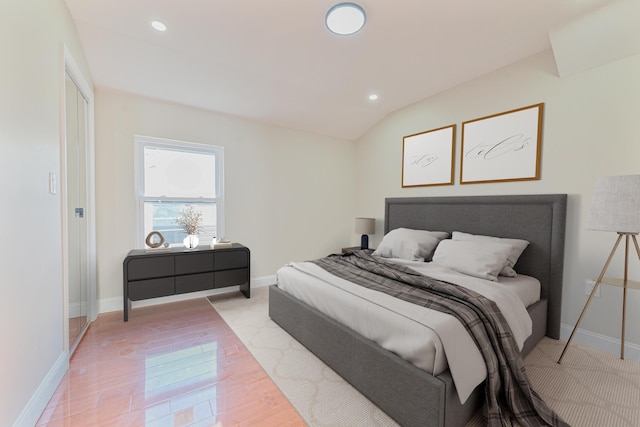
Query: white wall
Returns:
{"type": "Point", "coordinates": [32, 33]}
{"type": "Point", "coordinates": [589, 130]}
{"type": "Point", "coordinates": [289, 195]}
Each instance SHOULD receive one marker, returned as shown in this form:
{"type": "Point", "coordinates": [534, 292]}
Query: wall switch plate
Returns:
{"type": "Point", "coordinates": [588, 286]}
{"type": "Point", "coordinates": [53, 183]}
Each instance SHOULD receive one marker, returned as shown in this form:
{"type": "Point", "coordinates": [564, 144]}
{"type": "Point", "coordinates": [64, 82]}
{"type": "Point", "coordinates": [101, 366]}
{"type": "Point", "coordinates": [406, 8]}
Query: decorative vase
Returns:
{"type": "Point", "coordinates": [191, 241]}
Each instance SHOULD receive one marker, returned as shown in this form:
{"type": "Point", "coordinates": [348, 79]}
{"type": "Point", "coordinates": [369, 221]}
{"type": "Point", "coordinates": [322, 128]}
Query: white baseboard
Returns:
{"type": "Point", "coordinates": [78, 309]}
{"type": "Point", "coordinates": [259, 282]}
{"type": "Point", "coordinates": [600, 342]}
{"type": "Point", "coordinates": [106, 305]}
{"type": "Point", "coordinates": [39, 400]}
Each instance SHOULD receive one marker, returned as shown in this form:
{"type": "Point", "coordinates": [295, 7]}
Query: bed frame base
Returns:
{"type": "Point", "coordinates": [409, 395]}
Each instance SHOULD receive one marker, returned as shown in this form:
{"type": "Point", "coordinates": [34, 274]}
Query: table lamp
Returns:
{"type": "Point", "coordinates": [365, 226]}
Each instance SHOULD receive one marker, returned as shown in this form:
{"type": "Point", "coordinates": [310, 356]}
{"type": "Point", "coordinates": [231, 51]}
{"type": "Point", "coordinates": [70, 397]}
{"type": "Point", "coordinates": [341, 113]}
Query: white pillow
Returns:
{"type": "Point", "coordinates": [405, 243]}
{"type": "Point", "coordinates": [483, 259]}
{"type": "Point", "coordinates": [518, 246]}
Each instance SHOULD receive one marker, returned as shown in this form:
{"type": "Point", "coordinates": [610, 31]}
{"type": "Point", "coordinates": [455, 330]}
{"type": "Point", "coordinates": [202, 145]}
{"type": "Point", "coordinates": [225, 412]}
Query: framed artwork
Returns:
{"type": "Point", "coordinates": [427, 157]}
{"type": "Point", "coordinates": [502, 147]}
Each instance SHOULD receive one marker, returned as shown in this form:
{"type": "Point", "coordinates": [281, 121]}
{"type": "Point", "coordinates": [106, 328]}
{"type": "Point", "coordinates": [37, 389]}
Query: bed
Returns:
{"type": "Point", "coordinates": [408, 394]}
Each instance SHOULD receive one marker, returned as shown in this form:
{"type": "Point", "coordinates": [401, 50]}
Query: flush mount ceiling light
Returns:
{"type": "Point", "coordinates": [345, 19]}
{"type": "Point", "coordinates": [158, 25]}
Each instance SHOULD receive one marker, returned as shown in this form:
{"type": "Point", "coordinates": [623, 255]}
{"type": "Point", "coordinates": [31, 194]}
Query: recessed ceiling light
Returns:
{"type": "Point", "coordinates": [373, 97]}
{"type": "Point", "coordinates": [345, 19]}
{"type": "Point", "coordinates": [158, 25]}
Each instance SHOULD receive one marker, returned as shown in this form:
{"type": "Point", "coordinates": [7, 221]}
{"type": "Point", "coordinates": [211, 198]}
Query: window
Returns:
{"type": "Point", "coordinates": [172, 175]}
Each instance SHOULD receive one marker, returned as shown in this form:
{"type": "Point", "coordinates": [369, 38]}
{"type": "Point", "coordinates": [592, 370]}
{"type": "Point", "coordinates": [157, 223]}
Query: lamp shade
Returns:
{"type": "Point", "coordinates": [365, 226]}
{"type": "Point", "coordinates": [616, 204]}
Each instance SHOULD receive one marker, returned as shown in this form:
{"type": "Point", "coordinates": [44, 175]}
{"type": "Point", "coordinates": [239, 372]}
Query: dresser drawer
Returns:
{"type": "Point", "coordinates": [194, 282]}
{"type": "Point", "coordinates": [194, 263]}
{"type": "Point", "coordinates": [227, 260]}
{"type": "Point", "coordinates": [152, 288]}
{"type": "Point", "coordinates": [149, 267]}
{"type": "Point", "coordinates": [230, 277]}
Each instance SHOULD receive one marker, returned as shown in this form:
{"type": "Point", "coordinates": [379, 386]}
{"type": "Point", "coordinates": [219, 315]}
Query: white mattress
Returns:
{"type": "Point", "coordinates": [430, 340]}
{"type": "Point", "coordinates": [526, 287]}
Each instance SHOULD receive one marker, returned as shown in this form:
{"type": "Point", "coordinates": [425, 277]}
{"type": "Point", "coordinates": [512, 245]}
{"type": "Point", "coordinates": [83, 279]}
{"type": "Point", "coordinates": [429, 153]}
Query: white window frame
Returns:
{"type": "Point", "coordinates": [147, 141]}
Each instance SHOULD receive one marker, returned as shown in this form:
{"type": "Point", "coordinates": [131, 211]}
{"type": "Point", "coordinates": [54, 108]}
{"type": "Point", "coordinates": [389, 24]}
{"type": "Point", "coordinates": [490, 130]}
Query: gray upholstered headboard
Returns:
{"type": "Point", "coordinates": [539, 218]}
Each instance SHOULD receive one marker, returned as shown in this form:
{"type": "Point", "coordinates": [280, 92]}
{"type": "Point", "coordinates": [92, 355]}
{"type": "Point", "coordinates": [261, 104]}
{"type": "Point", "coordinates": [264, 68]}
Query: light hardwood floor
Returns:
{"type": "Point", "coordinates": [174, 364]}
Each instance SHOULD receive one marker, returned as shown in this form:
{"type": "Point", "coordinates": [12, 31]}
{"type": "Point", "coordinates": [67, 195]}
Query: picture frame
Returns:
{"type": "Point", "coordinates": [428, 157]}
{"type": "Point", "coordinates": [502, 147]}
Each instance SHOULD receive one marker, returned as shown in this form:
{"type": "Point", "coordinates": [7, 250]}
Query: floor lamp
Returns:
{"type": "Point", "coordinates": [615, 207]}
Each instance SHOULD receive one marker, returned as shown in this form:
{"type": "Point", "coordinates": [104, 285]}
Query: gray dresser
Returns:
{"type": "Point", "coordinates": [152, 274]}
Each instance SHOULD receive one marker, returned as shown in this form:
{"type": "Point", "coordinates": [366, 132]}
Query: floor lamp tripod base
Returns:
{"type": "Point", "coordinates": [625, 282]}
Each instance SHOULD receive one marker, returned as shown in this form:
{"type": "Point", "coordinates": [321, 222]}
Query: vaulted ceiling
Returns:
{"type": "Point", "coordinates": [275, 62]}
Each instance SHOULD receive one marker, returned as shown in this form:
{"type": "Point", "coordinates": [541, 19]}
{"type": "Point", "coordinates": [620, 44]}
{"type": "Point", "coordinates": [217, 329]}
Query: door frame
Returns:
{"type": "Point", "coordinates": [73, 70]}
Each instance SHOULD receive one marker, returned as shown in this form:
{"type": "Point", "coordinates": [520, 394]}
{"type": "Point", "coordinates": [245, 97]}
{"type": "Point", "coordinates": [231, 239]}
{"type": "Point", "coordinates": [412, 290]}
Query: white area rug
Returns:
{"type": "Point", "coordinates": [590, 388]}
{"type": "Point", "coordinates": [320, 395]}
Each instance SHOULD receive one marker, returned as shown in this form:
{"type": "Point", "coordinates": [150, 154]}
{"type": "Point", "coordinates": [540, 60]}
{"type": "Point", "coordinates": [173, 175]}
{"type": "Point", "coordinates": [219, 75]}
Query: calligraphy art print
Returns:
{"type": "Point", "coordinates": [427, 157]}
{"type": "Point", "coordinates": [502, 147]}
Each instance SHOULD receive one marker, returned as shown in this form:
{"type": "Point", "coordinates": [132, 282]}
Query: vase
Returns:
{"type": "Point", "coordinates": [191, 241]}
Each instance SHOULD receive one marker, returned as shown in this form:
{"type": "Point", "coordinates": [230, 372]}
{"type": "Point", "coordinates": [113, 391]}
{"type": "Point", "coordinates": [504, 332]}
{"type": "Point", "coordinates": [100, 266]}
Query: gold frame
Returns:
{"type": "Point", "coordinates": [425, 158]}
{"type": "Point", "coordinates": [499, 147]}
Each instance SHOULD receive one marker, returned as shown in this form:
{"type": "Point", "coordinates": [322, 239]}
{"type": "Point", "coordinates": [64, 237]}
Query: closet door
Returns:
{"type": "Point", "coordinates": [76, 191]}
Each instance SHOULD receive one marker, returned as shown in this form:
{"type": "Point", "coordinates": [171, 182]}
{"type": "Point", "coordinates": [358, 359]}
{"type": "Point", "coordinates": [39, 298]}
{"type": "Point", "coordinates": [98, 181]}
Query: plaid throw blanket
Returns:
{"type": "Point", "coordinates": [509, 397]}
